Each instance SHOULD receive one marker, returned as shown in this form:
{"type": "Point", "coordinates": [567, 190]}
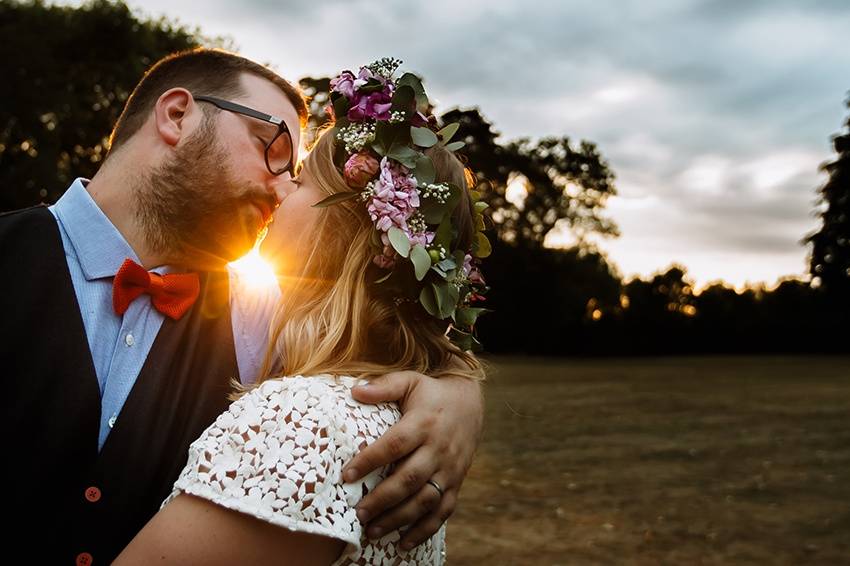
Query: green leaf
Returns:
{"type": "Point", "coordinates": [384, 278]}
{"type": "Point", "coordinates": [448, 132]}
{"type": "Point", "coordinates": [481, 246]}
{"type": "Point", "coordinates": [443, 235]}
{"type": "Point", "coordinates": [423, 137]}
{"type": "Point", "coordinates": [467, 316]}
{"type": "Point", "coordinates": [480, 206]}
{"type": "Point", "coordinates": [421, 261]}
{"type": "Point", "coordinates": [425, 172]}
{"type": "Point", "coordinates": [399, 241]}
{"type": "Point", "coordinates": [372, 85]}
{"type": "Point", "coordinates": [441, 293]}
{"type": "Point", "coordinates": [428, 300]}
{"type": "Point", "coordinates": [389, 136]}
{"type": "Point", "coordinates": [405, 155]}
{"type": "Point", "coordinates": [334, 199]}
{"type": "Point", "coordinates": [454, 296]}
{"type": "Point", "coordinates": [340, 105]}
{"type": "Point", "coordinates": [404, 98]}
{"type": "Point", "coordinates": [413, 81]}
{"type": "Point", "coordinates": [454, 146]}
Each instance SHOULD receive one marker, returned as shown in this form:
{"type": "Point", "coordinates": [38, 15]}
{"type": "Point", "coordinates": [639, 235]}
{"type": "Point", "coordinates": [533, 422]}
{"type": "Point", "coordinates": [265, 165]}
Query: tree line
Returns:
{"type": "Point", "coordinates": [69, 71]}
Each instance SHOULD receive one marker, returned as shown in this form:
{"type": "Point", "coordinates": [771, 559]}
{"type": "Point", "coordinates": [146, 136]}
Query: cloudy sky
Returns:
{"type": "Point", "coordinates": [714, 114]}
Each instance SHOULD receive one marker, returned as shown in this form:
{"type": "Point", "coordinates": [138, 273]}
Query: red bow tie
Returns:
{"type": "Point", "coordinates": [172, 294]}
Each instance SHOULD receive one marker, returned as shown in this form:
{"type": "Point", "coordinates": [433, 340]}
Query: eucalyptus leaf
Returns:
{"type": "Point", "coordinates": [454, 297]}
{"type": "Point", "coordinates": [372, 85]}
{"type": "Point", "coordinates": [413, 81]}
{"type": "Point", "coordinates": [340, 105]}
{"type": "Point", "coordinates": [335, 199]}
{"type": "Point", "coordinates": [454, 146]}
{"type": "Point", "coordinates": [428, 301]}
{"type": "Point", "coordinates": [399, 241]}
{"type": "Point", "coordinates": [448, 132]}
{"type": "Point", "coordinates": [467, 316]}
{"type": "Point", "coordinates": [441, 293]}
{"type": "Point", "coordinates": [482, 246]}
{"type": "Point", "coordinates": [480, 206]}
{"type": "Point", "coordinates": [384, 278]}
{"type": "Point", "coordinates": [421, 261]}
{"type": "Point", "coordinates": [423, 137]}
{"type": "Point", "coordinates": [425, 172]}
{"type": "Point", "coordinates": [404, 99]}
{"type": "Point", "coordinates": [443, 235]}
{"type": "Point", "coordinates": [405, 155]}
{"type": "Point", "coordinates": [388, 137]}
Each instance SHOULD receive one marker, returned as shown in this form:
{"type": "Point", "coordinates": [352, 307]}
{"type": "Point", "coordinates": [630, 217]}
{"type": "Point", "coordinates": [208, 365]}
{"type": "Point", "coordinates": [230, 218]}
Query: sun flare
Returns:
{"type": "Point", "coordinates": [255, 270]}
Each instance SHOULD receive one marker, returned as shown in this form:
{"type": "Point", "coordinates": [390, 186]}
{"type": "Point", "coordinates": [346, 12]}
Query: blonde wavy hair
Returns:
{"type": "Point", "coordinates": [332, 317]}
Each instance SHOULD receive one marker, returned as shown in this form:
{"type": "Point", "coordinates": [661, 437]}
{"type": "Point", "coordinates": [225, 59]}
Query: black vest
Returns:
{"type": "Point", "coordinates": [67, 500]}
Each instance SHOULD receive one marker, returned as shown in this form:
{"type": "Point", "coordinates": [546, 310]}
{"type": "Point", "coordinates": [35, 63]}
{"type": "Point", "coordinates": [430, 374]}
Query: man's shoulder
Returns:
{"type": "Point", "coordinates": [23, 216]}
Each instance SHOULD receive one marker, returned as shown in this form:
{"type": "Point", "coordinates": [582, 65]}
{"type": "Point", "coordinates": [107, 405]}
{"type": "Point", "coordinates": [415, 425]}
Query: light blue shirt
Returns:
{"type": "Point", "coordinates": [119, 345]}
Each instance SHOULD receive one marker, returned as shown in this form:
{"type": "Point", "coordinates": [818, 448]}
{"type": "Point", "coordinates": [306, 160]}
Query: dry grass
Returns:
{"type": "Point", "coordinates": [698, 460]}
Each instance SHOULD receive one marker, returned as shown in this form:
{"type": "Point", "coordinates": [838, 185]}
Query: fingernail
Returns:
{"type": "Point", "coordinates": [375, 532]}
{"type": "Point", "coordinates": [362, 515]}
{"type": "Point", "coordinates": [350, 474]}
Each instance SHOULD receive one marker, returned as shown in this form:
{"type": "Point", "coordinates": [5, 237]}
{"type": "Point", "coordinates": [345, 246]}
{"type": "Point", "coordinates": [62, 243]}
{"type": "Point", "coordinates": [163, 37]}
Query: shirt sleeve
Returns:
{"type": "Point", "coordinates": [277, 454]}
{"type": "Point", "coordinates": [252, 308]}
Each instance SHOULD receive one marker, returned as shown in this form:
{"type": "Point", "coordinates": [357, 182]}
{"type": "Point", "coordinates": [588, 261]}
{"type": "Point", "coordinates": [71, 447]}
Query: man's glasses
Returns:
{"type": "Point", "coordinates": [280, 153]}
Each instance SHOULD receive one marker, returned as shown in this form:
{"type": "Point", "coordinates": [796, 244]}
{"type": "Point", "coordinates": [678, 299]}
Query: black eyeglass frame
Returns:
{"type": "Point", "coordinates": [282, 128]}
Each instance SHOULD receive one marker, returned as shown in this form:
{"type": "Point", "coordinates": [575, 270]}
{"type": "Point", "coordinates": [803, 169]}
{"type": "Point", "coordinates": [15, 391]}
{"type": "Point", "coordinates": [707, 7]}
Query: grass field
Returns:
{"type": "Point", "coordinates": [693, 460]}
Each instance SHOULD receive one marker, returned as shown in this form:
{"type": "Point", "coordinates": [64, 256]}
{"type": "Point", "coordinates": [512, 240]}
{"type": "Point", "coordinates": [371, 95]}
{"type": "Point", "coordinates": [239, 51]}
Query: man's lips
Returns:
{"type": "Point", "coordinates": [265, 210]}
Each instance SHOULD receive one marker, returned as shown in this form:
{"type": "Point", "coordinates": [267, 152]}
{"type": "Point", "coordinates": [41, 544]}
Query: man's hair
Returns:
{"type": "Point", "coordinates": [200, 71]}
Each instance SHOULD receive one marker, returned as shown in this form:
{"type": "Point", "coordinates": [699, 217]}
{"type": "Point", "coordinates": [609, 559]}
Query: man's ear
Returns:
{"type": "Point", "coordinates": [170, 114]}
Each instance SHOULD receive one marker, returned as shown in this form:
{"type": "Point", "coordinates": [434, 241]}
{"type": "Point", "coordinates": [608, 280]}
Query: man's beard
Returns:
{"type": "Point", "coordinates": [192, 210]}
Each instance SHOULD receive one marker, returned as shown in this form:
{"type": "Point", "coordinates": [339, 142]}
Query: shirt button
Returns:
{"type": "Point", "coordinates": [84, 559]}
{"type": "Point", "coordinates": [129, 340]}
{"type": "Point", "coordinates": [112, 420]}
{"type": "Point", "coordinates": [93, 494]}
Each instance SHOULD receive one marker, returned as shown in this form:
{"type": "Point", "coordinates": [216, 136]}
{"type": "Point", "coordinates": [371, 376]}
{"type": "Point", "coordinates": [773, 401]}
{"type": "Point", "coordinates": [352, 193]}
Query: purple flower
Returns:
{"type": "Point", "coordinates": [344, 84]}
{"type": "Point", "coordinates": [375, 105]}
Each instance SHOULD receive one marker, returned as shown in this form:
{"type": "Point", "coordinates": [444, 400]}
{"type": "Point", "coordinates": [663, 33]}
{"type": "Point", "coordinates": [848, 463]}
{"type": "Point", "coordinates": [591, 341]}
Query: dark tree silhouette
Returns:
{"type": "Point", "coordinates": [66, 75]}
{"type": "Point", "coordinates": [830, 255]}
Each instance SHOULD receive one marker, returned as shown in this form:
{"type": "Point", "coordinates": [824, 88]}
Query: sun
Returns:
{"type": "Point", "coordinates": [255, 271]}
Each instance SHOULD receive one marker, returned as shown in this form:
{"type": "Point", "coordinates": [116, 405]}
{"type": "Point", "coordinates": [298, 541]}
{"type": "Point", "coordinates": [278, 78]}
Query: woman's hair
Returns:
{"type": "Point", "coordinates": [334, 319]}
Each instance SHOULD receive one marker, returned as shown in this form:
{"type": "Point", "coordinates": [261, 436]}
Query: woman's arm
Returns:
{"type": "Point", "coordinates": [191, 530]}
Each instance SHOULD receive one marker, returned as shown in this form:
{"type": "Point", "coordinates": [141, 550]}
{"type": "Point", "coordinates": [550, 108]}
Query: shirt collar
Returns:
{"type": "Point", "coordinates": [99, 246]}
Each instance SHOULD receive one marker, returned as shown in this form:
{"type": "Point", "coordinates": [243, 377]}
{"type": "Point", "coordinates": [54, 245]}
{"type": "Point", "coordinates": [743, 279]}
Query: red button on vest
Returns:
{"type": "Point", "coordinates": [84, 559]}
{"type": "Point", "coordinates": [93, 494]}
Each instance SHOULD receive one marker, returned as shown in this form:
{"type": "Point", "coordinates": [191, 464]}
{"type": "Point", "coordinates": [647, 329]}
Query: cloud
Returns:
{"type": "Point", "coordinates": [714, 114]}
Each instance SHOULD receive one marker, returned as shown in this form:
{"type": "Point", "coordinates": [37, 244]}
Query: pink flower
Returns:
{"type": "Point", "coordinates": [422, 239]}
{"type": "Point", "coordinates": [344, 84]}
{"type": "Point", "coordinates": [396, 197]}
{"type": "Point", "coordinates": [471, 271]}
{"type": "Point", "coordinates": [359, 169]}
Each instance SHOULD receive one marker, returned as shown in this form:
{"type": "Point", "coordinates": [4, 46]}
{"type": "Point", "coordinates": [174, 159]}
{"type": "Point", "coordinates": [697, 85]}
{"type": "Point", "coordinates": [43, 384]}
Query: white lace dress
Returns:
{"type": "Point", "coordinates": [277, 454]}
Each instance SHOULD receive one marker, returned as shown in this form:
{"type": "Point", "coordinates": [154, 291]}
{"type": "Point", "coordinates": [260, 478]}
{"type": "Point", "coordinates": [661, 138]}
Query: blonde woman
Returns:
{"type": "Point", "coordinates": [382, 278]}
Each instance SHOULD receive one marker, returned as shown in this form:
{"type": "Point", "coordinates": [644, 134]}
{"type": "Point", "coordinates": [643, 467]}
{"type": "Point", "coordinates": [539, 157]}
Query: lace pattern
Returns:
{"type": "Point", "coordinates": [277, 454]}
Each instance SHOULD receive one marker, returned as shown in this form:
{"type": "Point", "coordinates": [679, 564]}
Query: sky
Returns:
{"type": "Point", "coordinates": [715, 115]}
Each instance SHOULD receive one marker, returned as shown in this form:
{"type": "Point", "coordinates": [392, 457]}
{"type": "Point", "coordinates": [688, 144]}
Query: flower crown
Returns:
{"type": "Point", "coordinates": [382, 127]}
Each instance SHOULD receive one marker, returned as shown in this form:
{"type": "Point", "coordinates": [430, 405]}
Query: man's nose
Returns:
{"type": "Point", "coordinates": [282, 186]}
